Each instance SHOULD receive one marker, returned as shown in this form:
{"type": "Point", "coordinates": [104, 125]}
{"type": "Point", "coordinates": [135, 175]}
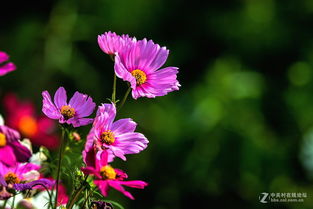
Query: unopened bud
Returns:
{"type": "Point", "coordinates": [76, 136]}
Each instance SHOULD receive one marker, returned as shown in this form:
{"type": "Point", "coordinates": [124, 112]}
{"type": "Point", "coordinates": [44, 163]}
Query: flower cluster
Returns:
{"type": "Point", "coordinates": [16, 172]}
{"type": "Point", "coordinates": [139, 63]}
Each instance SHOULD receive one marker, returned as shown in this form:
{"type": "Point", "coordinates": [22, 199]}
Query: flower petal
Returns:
{"type": "Point", "coordinates": [105, 117]}
{"type": "Point", "coordinates": [3, 57]}
{"type": "Point", "coordinates": [132, 143]}
{"type": "Point", "coordinates": [46, 183]}
{"type": "Point", "coordinates": [117, 185]}
{"type": "Point", "coordinates": [135, 184]}
{"type": "Point", "coordinates": [86, 108]}
{"type": "Point", "coordinates": [77, 100]}
{"type": "Point", "coordinates": [48, 108]}
{"type": "Point", "coordinates": [60, 98]}
{"type": "Point", "coordinates": [8, 67]}
{"type": "Point", "coordinates": [123, 126]}
{"type": "Point", "coordinates": [151, 56]}
{"type": "Point", "coordinates": [10, 159]}
{"type": "Point", "coordinates": [103, 187]}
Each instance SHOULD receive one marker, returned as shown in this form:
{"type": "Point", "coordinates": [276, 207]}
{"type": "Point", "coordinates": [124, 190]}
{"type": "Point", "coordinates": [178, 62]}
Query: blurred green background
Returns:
{"type": "Point", "coordinates": [242, 122]}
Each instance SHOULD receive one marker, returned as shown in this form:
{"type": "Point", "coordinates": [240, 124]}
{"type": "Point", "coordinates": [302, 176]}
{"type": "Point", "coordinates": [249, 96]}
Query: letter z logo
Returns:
{"type": "Point", "coordinates": [263, 197]}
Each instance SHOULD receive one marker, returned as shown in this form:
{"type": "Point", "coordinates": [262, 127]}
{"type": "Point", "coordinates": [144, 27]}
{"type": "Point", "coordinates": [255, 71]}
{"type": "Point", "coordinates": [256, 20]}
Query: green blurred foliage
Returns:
{"type": "Point", "coordinates": [241, 123]}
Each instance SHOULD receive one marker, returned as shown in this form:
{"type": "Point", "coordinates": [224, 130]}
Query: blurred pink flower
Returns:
{"type": "Point", "coordinates": [116, 138]}
{"type": "Point", "coordinates": [74, 112]}
{"type": "Point", "coordinates": [5, 67]}
{"type": "Point", "coordinates": [22, 116]}
{"type": "Point", "coordinates": [107, 177]}
{"type": "Point", "coordinates": [139, 65]}
{"type": "Point", "coordinates": [110, 43]}
{"type": "Point", "coordinates": [11, 149]}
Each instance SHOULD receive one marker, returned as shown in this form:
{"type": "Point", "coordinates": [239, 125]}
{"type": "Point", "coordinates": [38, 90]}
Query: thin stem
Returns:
{"type": "Point", "coordinates": [59, 168]}
{"type": "Point", "coordinates": [4, 204]}
{"type": "Point", "coordinates": [12, 206]}
{"type": "Point", "coordinates": [77, 193]}
{"type": "Point", "coordinates": [114, 90]}
{"type": "Point", "coordinates": [50, 196]}
{"type": "Point", "coordinates": [125, 97]}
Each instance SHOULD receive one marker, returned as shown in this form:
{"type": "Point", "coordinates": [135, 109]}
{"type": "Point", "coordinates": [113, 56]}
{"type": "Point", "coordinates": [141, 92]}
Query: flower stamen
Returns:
{"type": "Point", "coordinates": [12, 178]}
{"type": "Point", "coordinates": [107, 137]}
{"type": "Point", "coordinates": [67, 112]}
{"type": "Point", "coordinates": [107, 172]}
{"type": "Point", "coordinates": [140, 76]}
{"type": "Point", "coordinates": [3, 140]}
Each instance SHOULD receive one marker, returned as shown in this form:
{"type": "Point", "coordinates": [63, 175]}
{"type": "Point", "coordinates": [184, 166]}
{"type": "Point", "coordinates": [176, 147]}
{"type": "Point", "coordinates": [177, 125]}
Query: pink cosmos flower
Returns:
{"type": "Point", "coordinates": [74, 112]}
{"type": "Point", "coordinates": [22, 176]}
{"type": "Point", "coordinates": [6, 67]}
{"type": "Point", "coordinates": [110, 43]}
{"type": "Point", "coordinates": [21, 115]}
{"type": "Point", "coordinates": [11, 147]}
{"type": "Point", "coordinates": [107, 177]}
{"type": "Point", "coordinates": [139, 65]}
{"type": "Point", "coordinates": [21, 172]}
{"type": "Point", "coordinates": [116, 138]}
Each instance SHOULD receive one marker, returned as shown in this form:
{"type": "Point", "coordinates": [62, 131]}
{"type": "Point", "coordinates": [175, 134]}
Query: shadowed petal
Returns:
{"type": "Point", "coordinates": [76, 122]}
{"type": "Point", "coordinates": [21, 152]}
{"type": "Point", "coordinates": [10, 134]}
{"type": "Point", "coordinates": [2, 181]}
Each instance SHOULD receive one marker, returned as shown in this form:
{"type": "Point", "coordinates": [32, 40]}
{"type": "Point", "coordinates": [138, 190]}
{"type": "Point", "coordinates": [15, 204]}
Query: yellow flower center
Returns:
{"type": "Point", "coordinates": [107, 172]}
{"type": "Point", "coordinates": [107, 137]}
{"type": "Point", "coordinates": [11, 178]}
{"type": "Point", "coordinates": [3, 140]}
{"type": "Point", "coordinates": [28, 126]}
{"type": "Point", "coordinates": [140, 76]}
{"type": "Point", "coordinates": [67, 112]}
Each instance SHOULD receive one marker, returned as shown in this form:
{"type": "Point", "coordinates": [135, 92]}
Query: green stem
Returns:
{"type": "Point", "coordinates": [114, 90]}
{"type": "Point", "coordinates": [125, 97]}
{"type": "Point", "coordinates": [59, 167]}
{"type": "Point", "coordinates": [4, 204]}
{"type": "Point", "coordinates": [76, 194]}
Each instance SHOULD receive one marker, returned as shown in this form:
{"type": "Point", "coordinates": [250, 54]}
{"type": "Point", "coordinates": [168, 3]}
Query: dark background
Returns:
{"type": "Point", "coordinates": [242, 122]}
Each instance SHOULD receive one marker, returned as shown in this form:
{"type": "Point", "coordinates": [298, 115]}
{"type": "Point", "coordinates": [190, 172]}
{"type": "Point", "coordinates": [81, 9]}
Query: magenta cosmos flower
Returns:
{"type": "Point", "coordinates": [6, 67]}
{"type": "Point", "coordinates": [116, 138]}
{"type": "Point", "coordinates": [110, 43]}
{"type": "Point", "coordinates": [139, 65]}
{"type": "Point", "coordinates": [106, 177]}
{"type": "Point", "coordinates": [74, 112]}
{"type": "Point", "coordinates": [11, 147]}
